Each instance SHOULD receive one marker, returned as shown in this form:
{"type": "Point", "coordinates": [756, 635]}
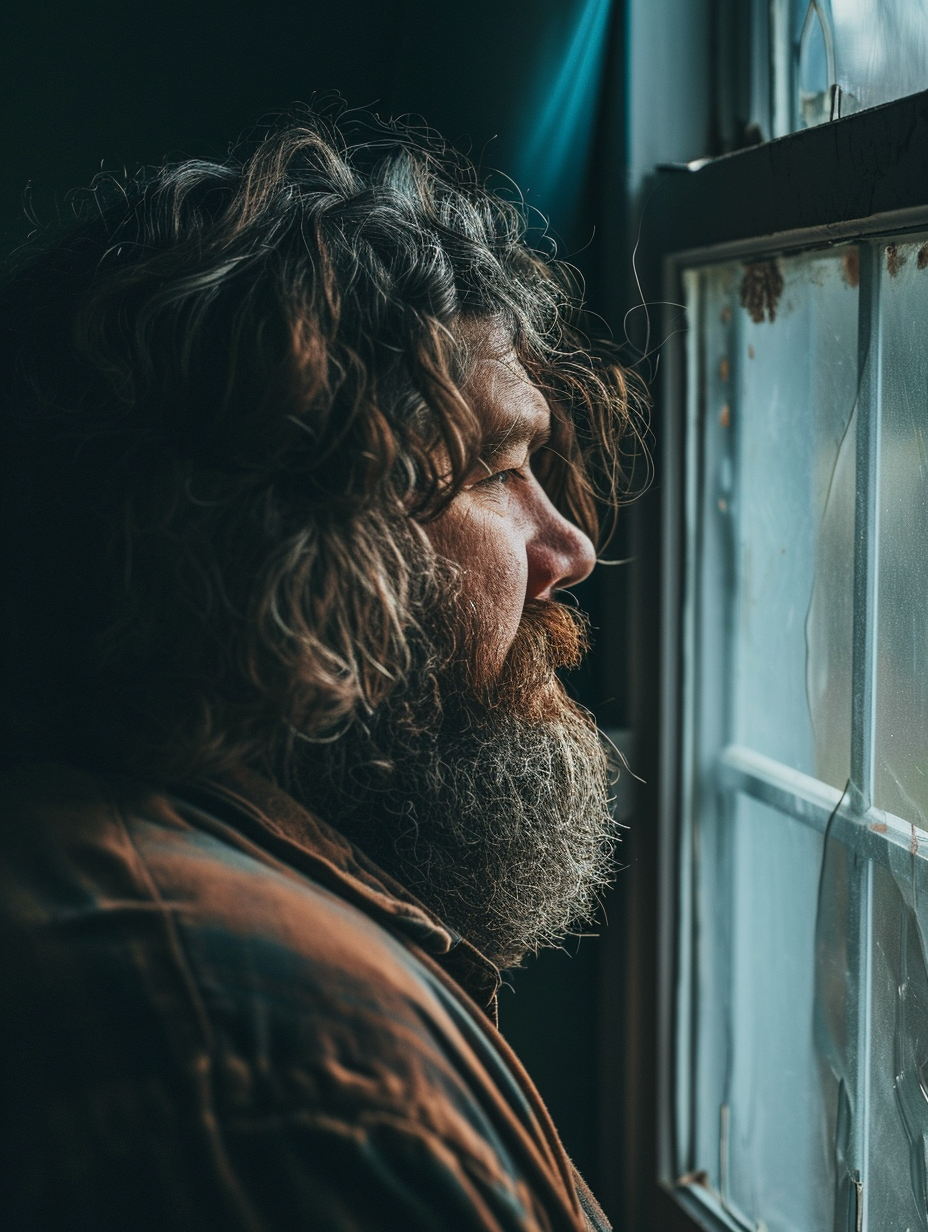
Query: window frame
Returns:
{"type": "Point", "coordinates": [860, 176]}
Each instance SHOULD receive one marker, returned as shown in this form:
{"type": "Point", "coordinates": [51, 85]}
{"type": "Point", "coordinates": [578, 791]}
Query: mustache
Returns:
{"type": "Point", "coordinates": [551, 637]}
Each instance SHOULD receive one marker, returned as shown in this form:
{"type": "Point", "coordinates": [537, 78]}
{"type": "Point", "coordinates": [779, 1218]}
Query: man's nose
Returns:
{"type": "Point", "coordinates": [559, 553]}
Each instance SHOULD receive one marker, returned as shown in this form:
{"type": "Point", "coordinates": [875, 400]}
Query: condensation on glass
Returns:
{"type": "Point", "coordinates": [801, 1100]}
{"type": "Point", "coordinates": [833, 57]}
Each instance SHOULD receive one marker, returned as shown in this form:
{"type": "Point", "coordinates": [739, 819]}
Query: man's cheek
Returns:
{"type": "Point", "coordinates": [497, 589]}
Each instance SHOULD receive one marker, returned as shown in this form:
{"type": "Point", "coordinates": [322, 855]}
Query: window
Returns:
{"type": "Point", "coordinates": [783, 65]}
{"type": "Point", "coordinates": [802, 1092]}
{"type": "Point", "coordinates": [792, 1046]}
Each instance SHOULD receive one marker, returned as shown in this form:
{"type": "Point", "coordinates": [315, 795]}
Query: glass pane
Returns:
{"type": "Point", "coordinates": [780, 344]}
{"type": "Point", "coordinates": [765, 1132]}
{"type": "Point", "coordinates": [897, 1180]}
{"type": "Point", "coordinates": [816, 71]}
{"type": "Point", "coordinates": [901, 770]}
{"type": "Point", "coordinates": [881, 50]}
{"type": "Point", "coordinates": [830, 58]}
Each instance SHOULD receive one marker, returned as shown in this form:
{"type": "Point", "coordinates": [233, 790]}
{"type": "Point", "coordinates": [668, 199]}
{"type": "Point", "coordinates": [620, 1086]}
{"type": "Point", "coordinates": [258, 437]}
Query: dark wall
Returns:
{"type": "Point", "coordinates": [113, 85]}
{"type": "Point", "coordinates": [116, 85]}
{"type": "Point", "coordinates": [532, 88]}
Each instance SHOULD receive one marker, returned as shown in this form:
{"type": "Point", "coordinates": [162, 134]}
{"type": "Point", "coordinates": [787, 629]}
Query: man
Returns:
{"type": "Point", "coordinates": [299, 450]}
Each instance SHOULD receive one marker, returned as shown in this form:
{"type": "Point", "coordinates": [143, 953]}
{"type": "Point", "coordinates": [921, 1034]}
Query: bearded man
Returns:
{"type": "Point", "coordinates": [298, 450]}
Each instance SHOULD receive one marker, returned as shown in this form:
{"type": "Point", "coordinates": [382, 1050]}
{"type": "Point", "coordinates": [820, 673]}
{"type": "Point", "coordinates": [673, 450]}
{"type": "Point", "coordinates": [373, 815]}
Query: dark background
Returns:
{"type": "Point", "coordinates": [520, 84]}
{"type": "Point", "coordinates": [533, 89]}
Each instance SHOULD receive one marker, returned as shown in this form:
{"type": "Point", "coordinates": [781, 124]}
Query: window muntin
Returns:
{"type": "Point", "coordinates": [802, 1040]}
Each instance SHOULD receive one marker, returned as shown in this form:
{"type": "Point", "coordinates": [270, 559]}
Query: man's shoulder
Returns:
{"type": "Point", "coordinates": [153, 951]}
{"type": "Point", "coordinates": [193, 920]}
{"type": "Point", "coordinates": [88, 860]}
{"type": "Point", "coordinates": [171, 986]}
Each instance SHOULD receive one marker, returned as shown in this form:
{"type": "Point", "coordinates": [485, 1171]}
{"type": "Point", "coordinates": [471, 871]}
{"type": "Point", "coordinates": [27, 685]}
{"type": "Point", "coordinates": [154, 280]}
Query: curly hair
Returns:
{"type": "Point", "coordinates": [231, 395]}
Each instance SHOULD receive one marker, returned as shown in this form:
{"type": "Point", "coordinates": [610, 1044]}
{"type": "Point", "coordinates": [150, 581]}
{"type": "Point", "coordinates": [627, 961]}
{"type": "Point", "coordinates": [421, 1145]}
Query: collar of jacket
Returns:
{"type": "Point", "coordinates": [273, 819]}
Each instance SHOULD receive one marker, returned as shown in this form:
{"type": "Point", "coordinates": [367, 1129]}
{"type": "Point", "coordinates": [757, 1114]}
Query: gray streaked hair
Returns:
{"type": "Point", "coordinates": [231, 395]}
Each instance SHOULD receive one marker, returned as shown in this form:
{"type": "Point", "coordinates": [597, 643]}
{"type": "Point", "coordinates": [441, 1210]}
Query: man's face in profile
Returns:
{"type": "Point", "coordinates": [479, 784]}
{"type": "Point", "coordinates": [501, 530]}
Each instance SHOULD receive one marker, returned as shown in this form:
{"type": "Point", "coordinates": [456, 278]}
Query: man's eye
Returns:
{"type": "Point", "coordinates": [500, 477]}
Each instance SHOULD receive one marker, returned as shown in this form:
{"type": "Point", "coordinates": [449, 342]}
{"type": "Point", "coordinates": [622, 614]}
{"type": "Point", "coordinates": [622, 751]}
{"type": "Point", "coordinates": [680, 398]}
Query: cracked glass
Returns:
{"type": "Point", "coordinates": [899, 1046]}
{"type": "Point", "coordinates": [802, 998]}
{"type": "Point", "coordinates": [779, 387]}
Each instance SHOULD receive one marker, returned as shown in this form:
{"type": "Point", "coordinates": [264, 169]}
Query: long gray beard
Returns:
{"type": "Point", "coordinates": [512, 845]}
{"type": "Point", "coordinates": [500, 824]}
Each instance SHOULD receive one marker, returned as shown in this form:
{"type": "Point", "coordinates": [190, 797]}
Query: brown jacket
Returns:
{"type": "Point", "coordinates": [216, 1013]}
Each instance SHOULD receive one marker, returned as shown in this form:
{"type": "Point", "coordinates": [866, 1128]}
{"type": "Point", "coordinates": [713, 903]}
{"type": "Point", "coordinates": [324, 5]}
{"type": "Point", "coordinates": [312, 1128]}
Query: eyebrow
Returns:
{"type": "Point", "coordinates": [516, 431]}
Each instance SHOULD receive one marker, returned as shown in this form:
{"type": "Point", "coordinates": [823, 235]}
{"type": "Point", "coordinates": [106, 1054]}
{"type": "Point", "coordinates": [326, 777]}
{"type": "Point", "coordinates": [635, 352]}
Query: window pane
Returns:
{"type": "Point", "coordinates": [773, 384]}
{"type": "Point", "coordinates": [780, 346]}
{"type": "Point", "coordinates": [881, 50]}
{"type": "Point", "coordinates": [816, 68]}
{"type": "Point", "coordinates": [835, 57]}
{"type": "Point", "coordinates": [765, 1130]}
{"type": "Point", "coordinates": [897, 1182]}
{"type": "Point", "coordinates": [901, 770]}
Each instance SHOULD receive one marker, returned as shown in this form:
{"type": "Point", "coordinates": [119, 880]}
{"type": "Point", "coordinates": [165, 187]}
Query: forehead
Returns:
{"type": "Point", "coordinates": [511, 408]}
